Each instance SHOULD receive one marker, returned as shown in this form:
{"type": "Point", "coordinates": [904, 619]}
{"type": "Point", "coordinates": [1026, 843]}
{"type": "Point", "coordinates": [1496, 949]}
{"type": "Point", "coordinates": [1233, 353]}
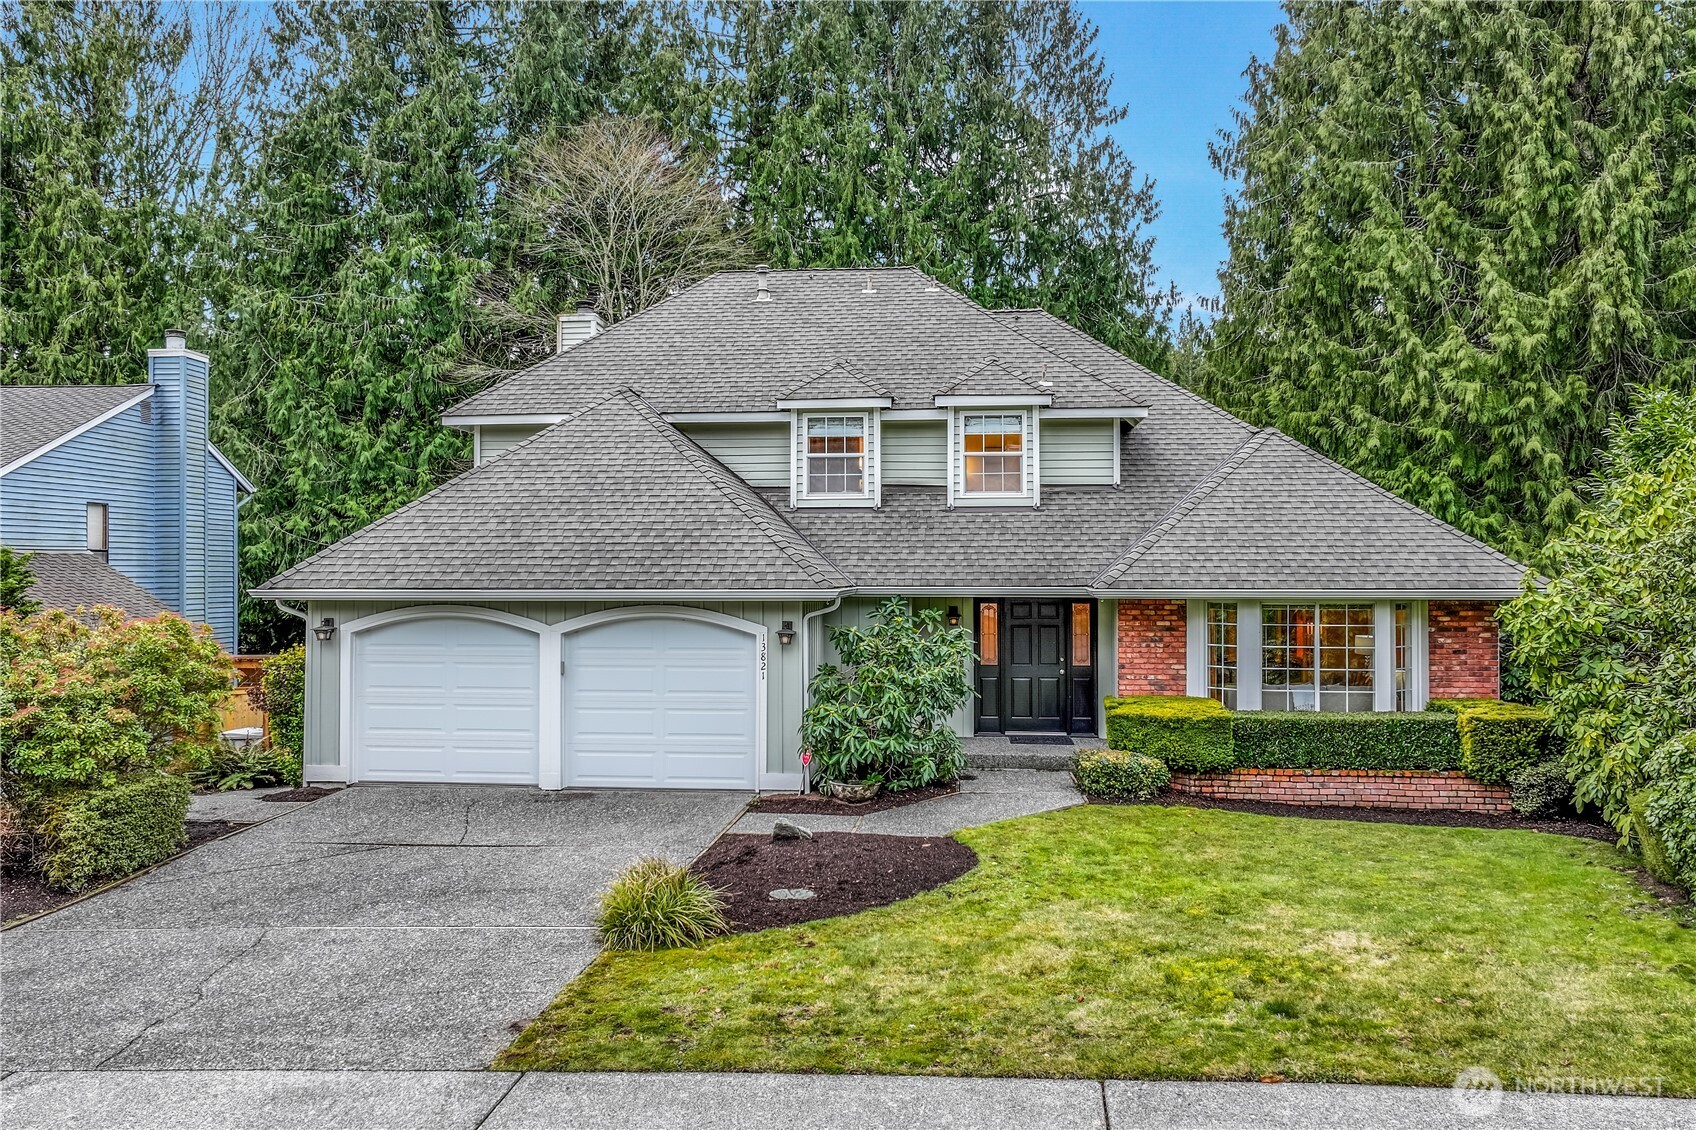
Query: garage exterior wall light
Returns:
{"type": "Point", "coordinates": [326, 630]}
{"type": "Point", "coordinates": [786, 634]}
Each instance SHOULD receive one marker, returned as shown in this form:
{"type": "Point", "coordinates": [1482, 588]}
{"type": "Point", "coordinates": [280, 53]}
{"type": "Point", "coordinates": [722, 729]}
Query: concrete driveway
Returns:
{"type": "Point", "coordinates": [402, 927]}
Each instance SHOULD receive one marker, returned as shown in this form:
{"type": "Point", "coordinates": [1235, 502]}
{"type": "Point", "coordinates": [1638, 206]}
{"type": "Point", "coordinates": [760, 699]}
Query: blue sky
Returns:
{"type": "Point", "coordinates": [1179, 68]}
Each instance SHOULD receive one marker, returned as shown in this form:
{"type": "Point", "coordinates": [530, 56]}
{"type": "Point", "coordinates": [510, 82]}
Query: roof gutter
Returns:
{"type": "Point", "coordinates": [276, 594]}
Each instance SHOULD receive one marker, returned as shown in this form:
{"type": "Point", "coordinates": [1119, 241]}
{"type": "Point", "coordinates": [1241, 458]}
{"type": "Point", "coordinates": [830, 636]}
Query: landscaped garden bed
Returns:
{"type": "Point", "coordinates": [1144, 941]}
{"type": "Point", "coordinates": [845, 871]}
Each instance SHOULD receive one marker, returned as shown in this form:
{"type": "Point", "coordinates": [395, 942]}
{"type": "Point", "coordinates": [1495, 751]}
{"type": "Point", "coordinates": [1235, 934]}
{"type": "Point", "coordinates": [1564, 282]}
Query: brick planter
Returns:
{"type": "Point", "coordinates": [1349, 788]}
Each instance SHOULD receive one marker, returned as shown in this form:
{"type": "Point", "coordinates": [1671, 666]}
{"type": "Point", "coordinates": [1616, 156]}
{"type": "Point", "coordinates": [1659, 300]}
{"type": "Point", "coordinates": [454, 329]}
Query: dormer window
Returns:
{"type": "Point", "coordinates": [836, 457]}
{"type": "Point", "coordinates": [835, 462]}
{"type": "Point", "coordinates": [994, 449]}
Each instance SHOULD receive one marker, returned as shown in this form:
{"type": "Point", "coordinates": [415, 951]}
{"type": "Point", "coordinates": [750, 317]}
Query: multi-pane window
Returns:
{"type": "Point", "coordinates": [1402, 612]}
{"type": "Point", "coordinates": [994, 448]}
{"type": "Point", "coordinates": [1316, 657]}
{"type": "Point", "coordinates": [989, 633]}
{"type": "Point", "coordinates": [836, 455]}
{"type": "Point", "coordinates": [1222, 653]}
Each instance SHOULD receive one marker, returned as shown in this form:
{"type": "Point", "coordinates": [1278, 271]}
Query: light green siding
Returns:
{"type": "Point", "coordinates": [784, 676]}
{"type": "Point", "coordinates": [498, 439]}
{"type": "Point", "coordinates": [915, 453]}
{"type": "Point", "coordinates": [1078, 451]}
{"type": "Point", "coordinates": [759, 452]}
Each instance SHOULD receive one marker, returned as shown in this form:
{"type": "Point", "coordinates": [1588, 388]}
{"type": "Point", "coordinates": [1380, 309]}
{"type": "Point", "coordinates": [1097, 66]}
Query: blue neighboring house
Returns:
{"type": "Point", "coordinates": [120, 494]}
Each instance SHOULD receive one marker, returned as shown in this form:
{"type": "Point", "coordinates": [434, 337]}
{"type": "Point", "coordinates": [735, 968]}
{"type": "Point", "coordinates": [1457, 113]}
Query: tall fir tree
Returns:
{"type": "Point", "coordinates": [111, 124]}
{"type": "Point", "coordinates": [1462, 237]}
{"type": "Point", "coordinates": [363, 234]}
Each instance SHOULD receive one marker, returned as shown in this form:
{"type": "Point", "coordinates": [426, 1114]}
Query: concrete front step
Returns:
{"type": "Point", "coordinates": [1021, 757]}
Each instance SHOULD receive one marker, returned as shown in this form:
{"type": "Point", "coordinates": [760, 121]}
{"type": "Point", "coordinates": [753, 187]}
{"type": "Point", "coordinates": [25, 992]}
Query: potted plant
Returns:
{"type": "Point", "coordinates": [879, 718]}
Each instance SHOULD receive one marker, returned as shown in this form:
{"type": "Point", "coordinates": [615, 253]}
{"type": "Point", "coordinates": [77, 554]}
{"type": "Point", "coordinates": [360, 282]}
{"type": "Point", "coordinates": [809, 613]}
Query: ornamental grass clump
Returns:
{"type": "Point", "coordinates": [655, 904]}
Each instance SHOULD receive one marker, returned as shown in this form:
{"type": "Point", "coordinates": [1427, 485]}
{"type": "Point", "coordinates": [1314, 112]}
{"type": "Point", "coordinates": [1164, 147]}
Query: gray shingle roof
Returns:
{"type": "Point", "coordinates": [841, 381]}
{"type": "Point", "coordinates": [1277, 516]}
{"type": "Point", "coordinates": [992, 378]}
{"type": "Point", "coordinates": [82, 580]}
{"type": "Point", "coordinates": [612, 499]}
{"type": "Point", "coordinates": [713, 348]}
{"type": "Point", "coordinates": [33, 416]}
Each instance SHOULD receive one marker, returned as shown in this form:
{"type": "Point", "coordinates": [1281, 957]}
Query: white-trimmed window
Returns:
{"type": "Point", "coordinates": [99, 529]}
{"type": "Point", "coordinates": [833, 459]}
{"type": "Point", "coordinates": [1222, 653]}
{"type": "Point", "coordinates": [993, 448]}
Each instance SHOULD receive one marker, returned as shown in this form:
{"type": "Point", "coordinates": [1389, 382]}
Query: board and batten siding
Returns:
{"type": "Point", "coordinates": [785, 680]}
{"type": "Point", "coordinates": [498, 439]}
{"type": "Point", "coordinates": [757, 451]}
{"type": "Point", "coordinates": [1078, 452]}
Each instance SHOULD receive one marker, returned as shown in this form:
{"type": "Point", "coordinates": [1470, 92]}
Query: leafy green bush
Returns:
{"type": "Point", "coordinates": [1185, 733]}
{"type": "Point", "coordinates": [281, 694]}
{"type": "Point", "coordinates": [1540, 790]}
{"type": "Point", "coordinates": [656, 904]}
{"type": "Point", "coordinates": [85, 704]}
{"type": "Point", "coordinates": [1669, 808]}
{"type": "Point", "coordinates": [112, 831]}
{"type": "Point", "coordinates": [1647, 840]}
{"type": "Point", "coordinates": [883, 714]}
{"type": "Point", "coordinates": [1113, 774]}
{"type": "Point", "coordinates": [1498, 738]}
{"type": "Point", "coordinates": [1305, 739]}
{"type": "Point", "coordinates": [251, 768]}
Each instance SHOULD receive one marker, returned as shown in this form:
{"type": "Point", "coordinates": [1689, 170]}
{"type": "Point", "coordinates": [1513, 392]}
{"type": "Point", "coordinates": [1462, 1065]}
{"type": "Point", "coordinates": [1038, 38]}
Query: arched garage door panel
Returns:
{"type": "Point", "coordinates": [658, 701]}
{"type": "Point", "coordinates": [446, 699]}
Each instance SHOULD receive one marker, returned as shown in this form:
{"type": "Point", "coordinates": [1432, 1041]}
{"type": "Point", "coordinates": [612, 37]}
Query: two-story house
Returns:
{"type": "Point", "coordinates": [633, 584]}
{"type": "Point", "coordinates": [120, 494]}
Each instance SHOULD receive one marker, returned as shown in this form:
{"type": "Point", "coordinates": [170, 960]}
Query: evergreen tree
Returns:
{"type": "Point", "coordinates": [111, 118]}
{"type": "Point", "coordinates": [363, 234]}
{"type": "Point", "coordinates": [1463, 233]}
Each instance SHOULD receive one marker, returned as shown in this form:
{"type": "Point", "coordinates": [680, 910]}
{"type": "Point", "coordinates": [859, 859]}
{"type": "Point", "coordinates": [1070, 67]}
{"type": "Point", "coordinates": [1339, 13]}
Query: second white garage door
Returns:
{"type": "Point", "coordinates": [663, 702]}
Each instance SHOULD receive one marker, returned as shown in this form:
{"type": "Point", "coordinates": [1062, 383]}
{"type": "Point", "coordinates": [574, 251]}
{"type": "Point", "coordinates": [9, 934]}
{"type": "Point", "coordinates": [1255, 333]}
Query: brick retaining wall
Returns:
{"type": "Point", "coordinates": [1349, 788]}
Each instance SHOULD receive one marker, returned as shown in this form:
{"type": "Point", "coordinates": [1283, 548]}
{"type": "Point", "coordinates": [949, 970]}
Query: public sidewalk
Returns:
{"type": "Point", "coordinates": [477, 1100]}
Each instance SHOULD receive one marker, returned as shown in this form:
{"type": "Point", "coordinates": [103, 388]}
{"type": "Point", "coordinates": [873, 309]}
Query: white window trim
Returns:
{"type": "Point", "coordinates": [1249, 648]}
{"type": "Point", "coordinates": [957, 493]}
{"type": "Point", "coordinates": [872, 496]}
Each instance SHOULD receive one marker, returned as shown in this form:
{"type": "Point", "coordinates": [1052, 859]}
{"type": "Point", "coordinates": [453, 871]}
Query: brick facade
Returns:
{"type": "Point", "coordinates": [1152, 658]}
{"type": "Point", "coordinates": [1348, 788]}
{"type": "Point", "coordinates": [1464, 646]}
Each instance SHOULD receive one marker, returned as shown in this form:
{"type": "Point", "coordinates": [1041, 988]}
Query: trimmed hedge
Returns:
{"type": "Point", "coordinates": [1113, 774]}
{"type": "Point", "coordinates": [1499, 738]}
{"type": "Point", "coordinates": [1306, 739]}
{"type": "Point", "coordinates": [1651, 849]}
{"type": "Point", "coordinates": [107, 833]}
{"type": "Point", "coordinates": [1540, 790]}
{"type": "Point", "coordinates": [1185, 733]}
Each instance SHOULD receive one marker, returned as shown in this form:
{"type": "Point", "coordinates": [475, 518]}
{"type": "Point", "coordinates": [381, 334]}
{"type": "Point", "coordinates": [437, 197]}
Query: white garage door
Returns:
{"type": "Point", "coordinates": [445, 700]}
{"type": "Point", "coordinates": [661, 702]}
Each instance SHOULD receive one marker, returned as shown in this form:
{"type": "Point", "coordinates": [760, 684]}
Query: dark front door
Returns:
{"type": "Point", "coordinates": [1036, 666]}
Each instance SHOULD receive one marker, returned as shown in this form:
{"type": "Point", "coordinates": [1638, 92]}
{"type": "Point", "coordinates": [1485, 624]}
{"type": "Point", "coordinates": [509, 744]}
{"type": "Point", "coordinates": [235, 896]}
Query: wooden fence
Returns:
{"type": "Point", "coordinates": [239, 710]}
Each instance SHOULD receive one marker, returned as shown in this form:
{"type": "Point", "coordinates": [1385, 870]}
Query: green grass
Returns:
{"type": "Point", "coordinates": [1176, 943]}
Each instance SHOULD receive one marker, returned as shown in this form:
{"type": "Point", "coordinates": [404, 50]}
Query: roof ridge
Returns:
{"type": "Point", "coordinates": [766, 518]}
{"type": "Point", "coordinates": [985, 312]}
{"type": "Point", "coordinates": [1183, 507]}
{"type": "Point", "coordinates": [370, 527]}
{"type": "Point", "coordinates": [846, 366]}
{"type": "Point", "coordinates": [1394, 497]}
{"type": "Point", "coordinates": [986, 363]}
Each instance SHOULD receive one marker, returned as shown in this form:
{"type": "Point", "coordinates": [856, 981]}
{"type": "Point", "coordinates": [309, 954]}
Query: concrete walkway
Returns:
{"type": "Point", "coordinates": [445, 1100]}
{"type": "Point", "coordinates": [993, 794]}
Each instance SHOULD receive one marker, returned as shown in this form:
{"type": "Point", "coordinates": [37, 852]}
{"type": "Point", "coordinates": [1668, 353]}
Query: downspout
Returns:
{"type": "Point", "coordinates": [304, 618]}
{"type": "Point", "coordinates": [807, 672]}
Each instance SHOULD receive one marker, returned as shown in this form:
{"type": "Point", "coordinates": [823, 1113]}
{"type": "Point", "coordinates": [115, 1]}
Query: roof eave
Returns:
{"type": "Point", "coordinates": [266, 592]}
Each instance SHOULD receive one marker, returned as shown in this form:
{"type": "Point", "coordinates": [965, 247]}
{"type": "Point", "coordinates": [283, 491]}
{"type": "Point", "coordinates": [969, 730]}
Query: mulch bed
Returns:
{"type": "Point", "coordinates": [24, 892]}
{"type": "Point", "coordinates": [847, 871]}
{"type": "Point", "coordinates": [1441, 817]}
{"type": "Point", "coordinates": [812, 804]}
{"type": "Point", "coordinates": [309, 792]}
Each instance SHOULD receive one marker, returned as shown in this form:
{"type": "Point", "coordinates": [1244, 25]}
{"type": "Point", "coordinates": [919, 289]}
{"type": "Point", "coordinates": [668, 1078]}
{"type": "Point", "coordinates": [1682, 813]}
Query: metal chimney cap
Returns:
{"type": "Point", "coordinates": [176, 339]}
{"type": "Point", "coordinates": [585, 306]}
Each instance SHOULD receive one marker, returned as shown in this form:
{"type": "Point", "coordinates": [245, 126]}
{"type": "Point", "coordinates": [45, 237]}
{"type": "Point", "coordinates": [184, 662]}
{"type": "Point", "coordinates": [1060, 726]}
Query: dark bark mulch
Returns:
{"type": "Point", "coordinates": [847, 871]}
{"type": "Point", "coordinates": [1441, 817]}
{"type": "Point", "coordinates": [308, 792]}
{"type": "Point", "coordinates": [812, 804]}
{"type": "Point", "coordinates": [24, 892]}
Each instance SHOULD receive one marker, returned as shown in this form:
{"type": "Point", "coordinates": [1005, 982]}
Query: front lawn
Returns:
{"type": "Point", "coordinates": [1181, 943]}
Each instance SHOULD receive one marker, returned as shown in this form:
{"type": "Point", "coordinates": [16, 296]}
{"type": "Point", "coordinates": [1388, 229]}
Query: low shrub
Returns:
{"type": "Point", "coordinates": [281, 694]}
{"type": "Point", "coordinates": [656, 904]}
{"type": "Point", "coordinates": [1114, 774]}
{"type": "Point", "coordinates": [250, 768]}
{"type": "Point", "coordinates": [1185, 733]}
{"type": "Point", "coordinates": [1498, 738]}
{"type": "Point", "coordinates": [1646, 839]}
{"type": "Point", "coordinates": [1541, 790]}
{"type": "Point", "coordinates": [110, 832]}
{"type": "Point", "coordinates": [1305, 739]}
